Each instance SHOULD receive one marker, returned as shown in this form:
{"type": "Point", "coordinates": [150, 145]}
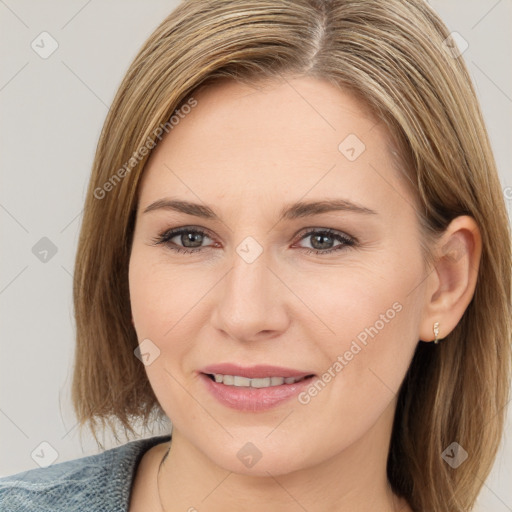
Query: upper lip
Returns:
{"type": "Point", "coordinates": [253, 372]}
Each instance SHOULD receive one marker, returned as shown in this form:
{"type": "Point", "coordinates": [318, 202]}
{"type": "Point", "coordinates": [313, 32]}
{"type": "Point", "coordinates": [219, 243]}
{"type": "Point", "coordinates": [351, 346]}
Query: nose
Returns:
{"type": "Point", "coordinates": [251, 301]}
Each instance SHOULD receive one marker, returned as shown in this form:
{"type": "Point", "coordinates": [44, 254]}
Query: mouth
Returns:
{"type": "Point", "coordinates": [256, 388]}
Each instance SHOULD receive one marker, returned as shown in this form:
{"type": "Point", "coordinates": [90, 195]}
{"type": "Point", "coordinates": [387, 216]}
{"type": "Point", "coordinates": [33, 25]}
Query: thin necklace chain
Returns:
{"type": "Point", "coordinates": [157, 477]}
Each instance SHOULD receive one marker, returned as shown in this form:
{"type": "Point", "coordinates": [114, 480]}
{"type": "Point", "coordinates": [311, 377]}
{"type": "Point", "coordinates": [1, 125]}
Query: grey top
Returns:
{"type": "Point", "coordinates": [99, 482]}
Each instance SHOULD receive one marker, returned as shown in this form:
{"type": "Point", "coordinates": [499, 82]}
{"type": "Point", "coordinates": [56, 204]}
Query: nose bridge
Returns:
{"type": "Point", "coordinates": [249, 302]}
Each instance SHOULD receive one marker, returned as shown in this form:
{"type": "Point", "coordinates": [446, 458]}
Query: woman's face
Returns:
{"type": "Point", "coordinates": [279, 276]}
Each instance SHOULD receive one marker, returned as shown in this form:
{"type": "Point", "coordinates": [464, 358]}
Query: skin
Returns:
{"type": "Point", "coordinates": [247, 152]}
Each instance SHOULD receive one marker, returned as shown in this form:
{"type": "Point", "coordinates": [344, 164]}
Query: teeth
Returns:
{"type": "Point", "coordinates": [241, 381]}
{"type": "Point", "coordinates": [238, 381]}
{"type": "Point", "coordinates": [260, 383]}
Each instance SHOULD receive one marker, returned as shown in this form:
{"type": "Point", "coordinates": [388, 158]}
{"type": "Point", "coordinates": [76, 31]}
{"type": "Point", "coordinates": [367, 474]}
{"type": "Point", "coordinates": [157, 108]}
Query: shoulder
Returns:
{"type": "Point", "coordinates": [97, 482]}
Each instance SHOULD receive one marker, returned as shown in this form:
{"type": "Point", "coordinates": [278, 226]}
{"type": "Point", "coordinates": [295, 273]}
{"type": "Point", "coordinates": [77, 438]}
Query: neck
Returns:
{"type": "Point", "coordinates": [353, 480]}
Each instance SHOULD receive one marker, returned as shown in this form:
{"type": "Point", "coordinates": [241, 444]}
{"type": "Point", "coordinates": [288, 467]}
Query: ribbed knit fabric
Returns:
{"type": "Point", "coordinates": [97, 483]}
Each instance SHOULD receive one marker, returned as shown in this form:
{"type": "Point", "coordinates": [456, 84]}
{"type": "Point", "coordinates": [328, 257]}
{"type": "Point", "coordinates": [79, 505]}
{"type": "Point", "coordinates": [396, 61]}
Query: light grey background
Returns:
{"type": "Point", "coordinates": [51, 114]}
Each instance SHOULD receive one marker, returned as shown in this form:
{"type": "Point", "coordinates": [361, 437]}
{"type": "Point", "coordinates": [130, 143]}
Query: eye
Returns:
{"type": "Point", "coordinates": [191, 238]}
{"type": "Point", "coordinates": [322, 241]}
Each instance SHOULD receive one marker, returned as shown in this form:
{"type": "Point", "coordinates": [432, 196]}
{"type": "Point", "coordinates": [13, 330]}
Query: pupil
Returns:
{"type": "Point", "coordinates": [322, 245]}
{"type": "Point", "coordinates": [195, 238]}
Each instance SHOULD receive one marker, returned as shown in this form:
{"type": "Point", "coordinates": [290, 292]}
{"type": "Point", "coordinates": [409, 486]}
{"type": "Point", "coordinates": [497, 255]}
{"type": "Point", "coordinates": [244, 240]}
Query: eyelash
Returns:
{"type": "Point", "coordinates": [165, 237]}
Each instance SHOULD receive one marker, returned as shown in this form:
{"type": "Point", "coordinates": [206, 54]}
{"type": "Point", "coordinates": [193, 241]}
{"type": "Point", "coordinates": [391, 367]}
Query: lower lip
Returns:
{"type": "Point", "coordinates": [254, 399]}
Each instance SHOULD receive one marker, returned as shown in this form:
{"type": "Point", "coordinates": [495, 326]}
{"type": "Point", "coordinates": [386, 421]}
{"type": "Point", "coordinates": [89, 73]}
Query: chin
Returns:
{"type": "Point", "coordinates": [262, 458]}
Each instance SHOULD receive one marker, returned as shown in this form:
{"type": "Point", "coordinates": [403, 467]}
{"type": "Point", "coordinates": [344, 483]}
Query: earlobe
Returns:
{"type": "Point", "coordinates": [453, 278]}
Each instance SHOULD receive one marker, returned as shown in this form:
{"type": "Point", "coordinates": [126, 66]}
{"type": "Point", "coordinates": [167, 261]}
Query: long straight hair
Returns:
{"type": "Point", "coordinates": [393, 56]}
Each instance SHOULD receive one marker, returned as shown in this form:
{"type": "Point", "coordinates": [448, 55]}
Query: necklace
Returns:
{"type": "Point", "coordinates": [157, 477]}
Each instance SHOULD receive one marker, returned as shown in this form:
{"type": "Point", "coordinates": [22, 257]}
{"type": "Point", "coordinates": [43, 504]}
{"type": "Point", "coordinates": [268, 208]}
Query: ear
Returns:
{"type": "Point", "coordinates": [451, 283]}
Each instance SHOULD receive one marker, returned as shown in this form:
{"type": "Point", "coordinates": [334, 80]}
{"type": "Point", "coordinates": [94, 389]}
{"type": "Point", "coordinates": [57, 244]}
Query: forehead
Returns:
{"type": "Point", "coordinates": [298, 136]}
{"type": "Point", "coordinates": [303, 113]}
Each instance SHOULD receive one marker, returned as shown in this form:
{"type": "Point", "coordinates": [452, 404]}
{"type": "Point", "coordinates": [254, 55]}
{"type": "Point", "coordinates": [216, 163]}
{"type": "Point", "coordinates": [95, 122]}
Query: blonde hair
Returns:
{"type": "Point", "coordinates": [390, 54]}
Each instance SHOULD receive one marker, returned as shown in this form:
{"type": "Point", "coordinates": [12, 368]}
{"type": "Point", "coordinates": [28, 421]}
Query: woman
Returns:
{"type": "Point", "coordinates": [294, 246]}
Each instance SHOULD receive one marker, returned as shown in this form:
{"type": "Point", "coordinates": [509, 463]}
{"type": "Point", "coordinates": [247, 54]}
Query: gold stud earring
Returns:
{"type": "Point", "coordinates": [436, 332]}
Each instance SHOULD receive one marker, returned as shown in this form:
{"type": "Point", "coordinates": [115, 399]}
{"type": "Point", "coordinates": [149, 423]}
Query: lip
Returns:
{"type": "Point", "coordinates": [253, 399]}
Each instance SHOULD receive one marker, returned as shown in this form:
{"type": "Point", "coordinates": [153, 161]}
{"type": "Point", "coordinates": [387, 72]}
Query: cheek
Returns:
{"type": "Point", "coordinates": [157, 304]}
{"type": "Point", "coordinates": [159, 293]}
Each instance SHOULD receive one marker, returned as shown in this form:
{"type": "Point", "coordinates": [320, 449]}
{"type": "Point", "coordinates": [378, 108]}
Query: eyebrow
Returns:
{"type": "Point", "coordinates": [289, 212]}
